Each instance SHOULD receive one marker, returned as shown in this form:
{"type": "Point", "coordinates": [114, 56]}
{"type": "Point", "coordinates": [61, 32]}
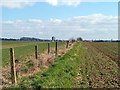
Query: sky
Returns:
{"type": "Point", "coordinates": [64, 20]}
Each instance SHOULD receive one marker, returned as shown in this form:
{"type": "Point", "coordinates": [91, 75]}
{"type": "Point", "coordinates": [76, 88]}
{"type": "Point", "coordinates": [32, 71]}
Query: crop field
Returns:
{"type": "Point", "coordinates": [83, 65]}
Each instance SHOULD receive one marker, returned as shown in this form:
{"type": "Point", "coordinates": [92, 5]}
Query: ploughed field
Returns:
{"type": "Point", "coordinates": [85, 65]}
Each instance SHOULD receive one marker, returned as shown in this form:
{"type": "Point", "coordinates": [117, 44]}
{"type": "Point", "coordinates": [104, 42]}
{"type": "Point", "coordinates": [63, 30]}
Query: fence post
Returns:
{"type": "Point", "coordinates": [48, 48]}
{"type": "Point", "coordinates": [36, 49]}
{"type": "Point", "coordinates": [36, 56]}
{"type": "Point", "coordinates": [13, 70]}
{"type": "Point", "coordinates": [67, 44]}
{"type": "Point", "coordinates": [56, 48]}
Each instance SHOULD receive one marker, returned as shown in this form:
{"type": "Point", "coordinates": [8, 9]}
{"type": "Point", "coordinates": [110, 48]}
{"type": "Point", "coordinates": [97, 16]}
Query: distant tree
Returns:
{"type": "Point", "coordinates": [79, 39]}
{"type": "Point", "coordinates": [72, 40]}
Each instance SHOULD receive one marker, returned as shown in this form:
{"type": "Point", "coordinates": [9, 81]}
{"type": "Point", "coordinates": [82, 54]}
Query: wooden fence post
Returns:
{"type": "Point", "coordinates": [67, 44]}
{"type": "Point", "coordinates": [13, 70]}
{"type": "Point", "coordinates": [56, 48]}
{"type": "Point", "coordinates": [36, 56]}
{"type": "Point", "coordinates": [48, 48]}
{"type": "Point", "coordinates": [36, 49]}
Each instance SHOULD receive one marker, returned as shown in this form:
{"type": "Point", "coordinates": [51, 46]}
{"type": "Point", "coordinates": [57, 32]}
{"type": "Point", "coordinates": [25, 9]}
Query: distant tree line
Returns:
{"type": "Point", "coordinates": [26, 39]}
{"type": "Point", "coordinates": [80, 39]}
{"type": "Point", "coordinates": [105, 40]}
{"type": "Point", "coordinates": [71, 39]}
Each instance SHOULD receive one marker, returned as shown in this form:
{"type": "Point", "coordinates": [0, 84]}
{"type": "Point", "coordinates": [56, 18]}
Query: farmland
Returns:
{"type": "Point", "coordinates": [85, 65]}
{"type": "Point", "coordinates": [23, 49]}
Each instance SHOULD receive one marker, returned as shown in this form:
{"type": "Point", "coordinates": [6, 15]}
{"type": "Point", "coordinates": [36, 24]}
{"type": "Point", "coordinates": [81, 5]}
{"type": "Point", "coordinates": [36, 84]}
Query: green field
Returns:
{"type": "Point", "coordinates": [86, 65]}
{"type": "Point", "coordinates": [23, 49]}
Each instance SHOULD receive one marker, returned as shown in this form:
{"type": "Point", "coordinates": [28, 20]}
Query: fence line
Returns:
{"type": "Point", "coordinates": [12, 58]}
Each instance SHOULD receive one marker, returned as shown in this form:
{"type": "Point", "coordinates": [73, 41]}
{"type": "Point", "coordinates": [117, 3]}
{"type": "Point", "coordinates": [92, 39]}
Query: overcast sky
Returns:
{"type": "Point", "coordinates": [63, 19]}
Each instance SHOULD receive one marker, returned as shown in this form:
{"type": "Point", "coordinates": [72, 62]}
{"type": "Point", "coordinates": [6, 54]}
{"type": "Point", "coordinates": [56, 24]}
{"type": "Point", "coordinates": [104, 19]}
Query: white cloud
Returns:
{"type": "Point", "coordinates": [40, 32]}
{"type": "Point", "coordinates": [16, 3]}
{"type": "Point", "coordinates": [64, 2]}
{"type": "Point", "coordinates": [91, 26]}
{"type": "Point", "coordinates": [8, 22]}
{"type": "Point", "coordinates": [58, 20]}
{"type": "Point", "coordinates": [55, 20]}
{"type": "Point", "coordinates": [70, 2]}
{"type": "Point", "coordinates": [23, 3]}
{"type": "Point", "coordinates": [35, 20]}
{"type": "Point", "coordinates": [52, 2]}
